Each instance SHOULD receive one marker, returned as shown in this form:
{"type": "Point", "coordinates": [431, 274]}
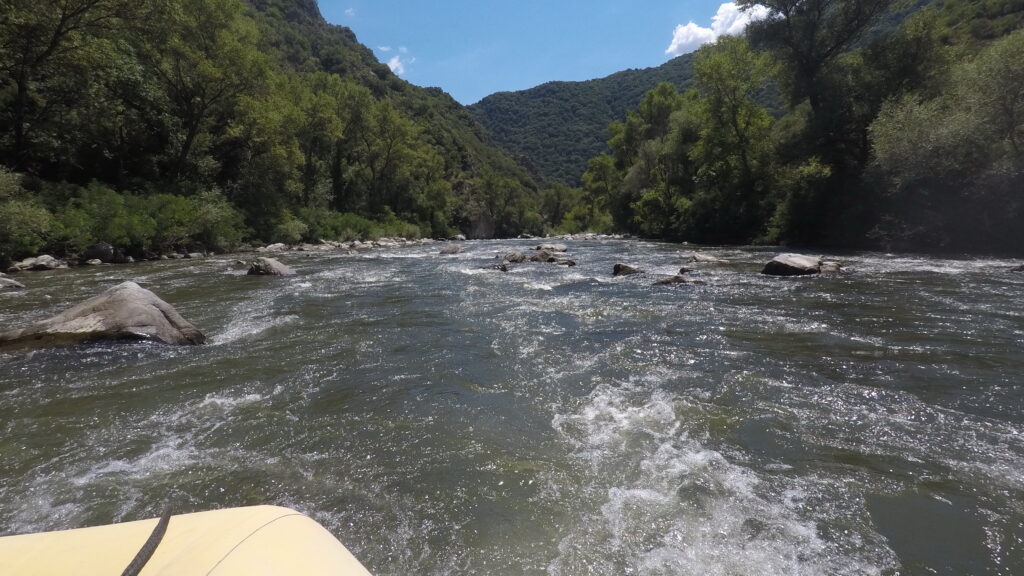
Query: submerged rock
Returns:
{"type": "Point", "coordinates": [8, 284]}
{"type": "Point", "coordinates": [1017, 268]}
{"type": "Point", "coordinates": [793, 265]}
{"type": "Point", "coordinates": [625, 270]}
{"type": "Point", "coordinates": [451, 250]}
{"type": "Point", "coordinates": [125, 312]}
{"type": "Point", "coordinates": [269, 267]}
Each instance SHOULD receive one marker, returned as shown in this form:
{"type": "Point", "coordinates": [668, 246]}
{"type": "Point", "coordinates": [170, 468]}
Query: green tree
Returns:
{"type": "Point", "coordinates": [206, 59]}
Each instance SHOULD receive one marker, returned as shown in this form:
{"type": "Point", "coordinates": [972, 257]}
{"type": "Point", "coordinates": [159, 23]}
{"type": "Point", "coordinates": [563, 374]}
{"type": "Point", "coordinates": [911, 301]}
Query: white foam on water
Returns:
{"type": "Point", "coordinates": [247, 327]}
{"type": "Point", "coordinates": [669, 505]}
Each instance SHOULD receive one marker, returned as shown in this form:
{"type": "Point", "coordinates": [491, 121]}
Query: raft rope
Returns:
{"type": "Point", "coordinates": [147, 550]}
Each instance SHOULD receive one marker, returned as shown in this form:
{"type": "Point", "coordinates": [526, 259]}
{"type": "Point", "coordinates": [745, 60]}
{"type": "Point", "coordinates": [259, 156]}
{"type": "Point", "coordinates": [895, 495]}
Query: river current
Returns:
{"type": "Point", "coordinates": [442, 418]}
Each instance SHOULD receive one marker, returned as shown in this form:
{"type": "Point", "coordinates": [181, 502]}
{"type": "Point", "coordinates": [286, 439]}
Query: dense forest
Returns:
{"type": "Point", "coordinates": [172, 125]}
{"type": "Point", "coordinates": [160, 125]}
{"type": "Point", "coordinates": [912, 139]}
{"type": "Point", "coordinates": [555, 128]}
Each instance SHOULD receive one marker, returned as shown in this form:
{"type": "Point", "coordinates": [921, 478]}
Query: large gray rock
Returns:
{"type": "Point", "coordinates": [8, 284]}
{"type": "Point", "coordinates": [269, 267]}
{"type": "Point", "coordinates": [125, 312]}
{"type": "Point", "coordinates": [451, 250]}
{"type": "Point", "coordinates": [625, 270]}
{"type": "Point", "coordinates": [793, 265]}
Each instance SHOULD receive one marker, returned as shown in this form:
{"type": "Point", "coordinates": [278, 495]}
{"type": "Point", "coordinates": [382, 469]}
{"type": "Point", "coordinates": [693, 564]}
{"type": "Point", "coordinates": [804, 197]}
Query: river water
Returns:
{"type": "Point", "coordinates": [441, 418]}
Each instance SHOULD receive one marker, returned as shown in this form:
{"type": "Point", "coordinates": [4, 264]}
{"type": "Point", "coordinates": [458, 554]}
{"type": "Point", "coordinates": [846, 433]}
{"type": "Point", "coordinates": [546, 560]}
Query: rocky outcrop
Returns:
{"type": "Point", "coordinates": [451, 250]}
{"type": "Point", "coordinates": [793, 265]}
{"type": "Point", "coordinates": [625, 270]}
{"type": "Point", "coordinates": [125, 312]}
{"type": "Point", "coordinates": [8, 284]}
{"type": "Point", "coordinates": [269, 267]}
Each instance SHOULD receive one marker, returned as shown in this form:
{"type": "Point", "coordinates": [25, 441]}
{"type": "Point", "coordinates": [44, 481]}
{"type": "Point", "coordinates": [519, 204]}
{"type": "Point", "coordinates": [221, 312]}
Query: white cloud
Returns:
{"type": "Point", "coordinates": [350, 13]}
{"type": "Point", "coordinates": [730, 20]}
{"type": "Point", "coordinates": [384, 48]}
{"type": "Point", "coordinates": [396, 65]}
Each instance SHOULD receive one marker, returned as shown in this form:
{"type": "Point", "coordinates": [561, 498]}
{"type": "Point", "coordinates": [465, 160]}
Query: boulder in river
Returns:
{"type": "Point", "coordinates": [552, 248]}
{"type": "Point", "coordinates": [125, 312]}
{"type": "Point", "coordinates": [93, 262]}
{"type": "Point", "coordinates": [269, 267]}
{"type": "Point", "coordinates": [625, 270]}
{"type": "Point", "coordinates": [451, 250]}
{"type": "Point", "coordinates": [544, 256]}
{"type": "Point", "coordinates": [44, 262]}
{"type": "Point", "coordinates": [8, 284]}
{"type": "Point", "coordinates": [792, 265]}
{"type": "Point", "coordinates": [279, 247]}
{"type": "Point", "coordinates": [1017, 268]}
{"type": "Point", "coordinates": [513, 257]}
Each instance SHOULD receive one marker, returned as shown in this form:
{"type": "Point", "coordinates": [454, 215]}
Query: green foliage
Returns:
{"type": "Point", "coordinates": [952, 166]}
{"type": "Point", "coordinates": [155, 125]}
{"type": "Point", "coordinates": [558, 126]}
{"type": "Point", "coordinates": [25, 225]}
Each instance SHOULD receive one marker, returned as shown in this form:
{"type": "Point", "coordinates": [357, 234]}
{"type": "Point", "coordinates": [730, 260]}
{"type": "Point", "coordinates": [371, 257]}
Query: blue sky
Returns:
{"type": "Point", "coordinates": [475, 48]}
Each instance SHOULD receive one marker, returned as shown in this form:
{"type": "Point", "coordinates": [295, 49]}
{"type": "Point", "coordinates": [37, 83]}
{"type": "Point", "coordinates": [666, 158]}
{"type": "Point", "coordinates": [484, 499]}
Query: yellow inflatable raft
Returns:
{"type": "Point", "coordinates": [256, 541]}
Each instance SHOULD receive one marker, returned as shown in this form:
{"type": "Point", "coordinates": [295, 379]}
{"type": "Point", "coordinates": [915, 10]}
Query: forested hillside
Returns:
{"type": "Point", "coordinates": [162, 124]}
{"type": "Point", "coordinates": [556, 127]}
{"type": "Point", "coordinates": [904, 140]}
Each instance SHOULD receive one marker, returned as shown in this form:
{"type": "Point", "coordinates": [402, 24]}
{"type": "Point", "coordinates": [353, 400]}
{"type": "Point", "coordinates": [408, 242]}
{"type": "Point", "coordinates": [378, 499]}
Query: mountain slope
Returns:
{"type": "Point", "coordinates": [306, 41]}
{"type": "Point", "coordinates": [557, 127]}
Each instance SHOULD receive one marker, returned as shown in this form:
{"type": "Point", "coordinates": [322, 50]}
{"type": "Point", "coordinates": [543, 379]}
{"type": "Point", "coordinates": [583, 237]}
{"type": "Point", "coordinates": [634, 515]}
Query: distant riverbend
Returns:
{"type": "Point", "coordinates": [441, 416]}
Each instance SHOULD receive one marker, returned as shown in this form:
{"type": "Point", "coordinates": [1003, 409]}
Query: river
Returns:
{"type": "Point", "coordinates": [442, 418]}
